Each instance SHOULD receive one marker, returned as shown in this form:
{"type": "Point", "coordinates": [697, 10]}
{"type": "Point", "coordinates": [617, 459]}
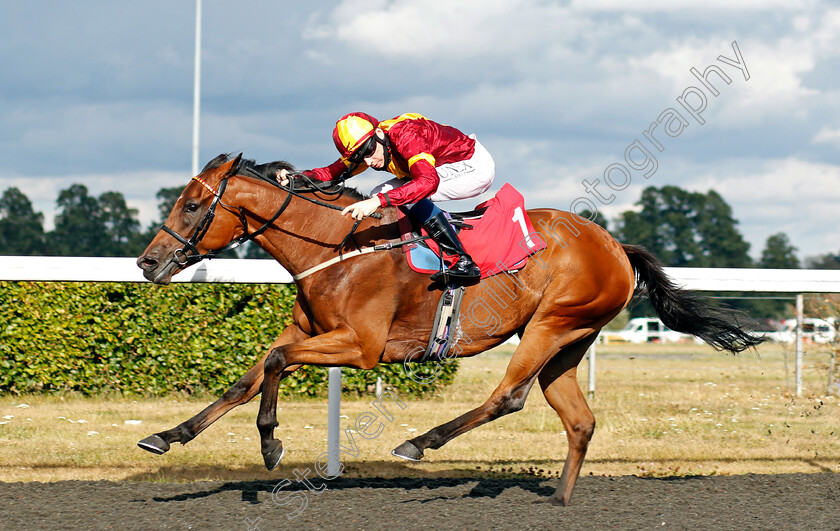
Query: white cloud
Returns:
{"type": "Point", "coordinates": [690, 5]}
{"type": "Point", "coordinates": [555, 90]}
{"type": "Point", "coordinates": [788, 195]}
{"type": "Point", "coordinates": [466, 28]}
{"type": "Point", "coordinates": [775, 182]}
{"type": "Point", "coordinates": [777, 68]}
{"type": "Point", "coordinates": [775, 85]}
{"type": "Point", "coordinates": [827, 136]}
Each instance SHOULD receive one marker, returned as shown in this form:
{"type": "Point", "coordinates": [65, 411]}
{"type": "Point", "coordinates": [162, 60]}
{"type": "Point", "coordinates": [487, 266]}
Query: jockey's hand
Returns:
{"type": "Point", "coordinates": [362, 209]}
{"type": "Point", "coordinates": [282, 177]}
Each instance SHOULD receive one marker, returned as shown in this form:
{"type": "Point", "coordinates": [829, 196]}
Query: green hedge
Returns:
{"type": "Point", "coordinates": [150, 340]}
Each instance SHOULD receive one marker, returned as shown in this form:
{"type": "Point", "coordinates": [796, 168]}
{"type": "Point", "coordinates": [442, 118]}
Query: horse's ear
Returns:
{"type": "Point", "coordinates": [235, 166]}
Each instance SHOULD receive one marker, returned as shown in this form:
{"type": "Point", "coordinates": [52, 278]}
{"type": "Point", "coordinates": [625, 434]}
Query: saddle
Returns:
{"type": "Point", "coordinates": [497, 235]}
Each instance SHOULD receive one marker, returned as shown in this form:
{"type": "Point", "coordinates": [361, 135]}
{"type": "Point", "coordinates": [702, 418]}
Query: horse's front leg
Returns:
{"type": "Point", "coordinates": [339, 348]}
{"type": "Point", "coordinates": [239, 393]}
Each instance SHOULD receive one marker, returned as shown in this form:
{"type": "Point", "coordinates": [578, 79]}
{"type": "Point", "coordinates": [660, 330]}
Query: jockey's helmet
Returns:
{"type": "Point", "coordinates": [352, 132]}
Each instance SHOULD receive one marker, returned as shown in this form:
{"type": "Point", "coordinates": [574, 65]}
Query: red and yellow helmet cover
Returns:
{"type": "Point", "coordinates": [351, 131]}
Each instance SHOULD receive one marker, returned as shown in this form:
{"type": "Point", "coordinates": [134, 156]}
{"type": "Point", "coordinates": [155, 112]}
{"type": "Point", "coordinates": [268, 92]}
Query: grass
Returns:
{"type": "Point", "coordinates": [662, 410]}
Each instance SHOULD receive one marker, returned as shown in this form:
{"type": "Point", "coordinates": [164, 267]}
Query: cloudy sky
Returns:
{"type": "Point", "coordinates": [100, 93]}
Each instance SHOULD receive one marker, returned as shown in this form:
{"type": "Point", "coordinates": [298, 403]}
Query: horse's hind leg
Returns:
{"type": "Point", "coordinates": [508, 397]}
{"type": "Point", "coordinates": [559, 384]}
{"type": "Point", "coordinates": [239, 393]}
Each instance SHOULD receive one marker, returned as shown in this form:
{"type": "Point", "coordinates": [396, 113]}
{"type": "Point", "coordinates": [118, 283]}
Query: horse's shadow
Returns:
{"type": "Point", "coordinates": [489, 485]}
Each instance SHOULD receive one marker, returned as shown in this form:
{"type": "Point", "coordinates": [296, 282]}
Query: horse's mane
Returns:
{"type": "Point", "coordinates": [268, 170]}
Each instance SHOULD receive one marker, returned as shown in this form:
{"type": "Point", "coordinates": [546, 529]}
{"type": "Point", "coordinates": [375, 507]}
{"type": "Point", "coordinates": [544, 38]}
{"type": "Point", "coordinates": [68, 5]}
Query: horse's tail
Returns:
{"type": "Point", "coordinates": [683, 311]}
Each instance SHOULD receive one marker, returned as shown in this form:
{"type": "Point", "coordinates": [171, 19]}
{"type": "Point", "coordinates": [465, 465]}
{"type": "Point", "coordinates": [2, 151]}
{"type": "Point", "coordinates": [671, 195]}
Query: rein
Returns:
{"type": "Point", "coordinates": [363, 250]}
{"type": "Point", "coordinates": [183, 259]}
{"type": "Point", "coordinates": [311, 188]}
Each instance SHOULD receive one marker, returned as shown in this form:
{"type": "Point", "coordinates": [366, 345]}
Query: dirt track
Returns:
{"type": "Point", "coordinates": [789, 501]}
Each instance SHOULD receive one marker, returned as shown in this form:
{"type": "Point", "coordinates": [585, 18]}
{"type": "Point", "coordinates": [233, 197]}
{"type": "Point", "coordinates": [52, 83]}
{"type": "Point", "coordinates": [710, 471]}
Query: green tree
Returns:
{"type": "Point", "coordinates": [77, 229]}
{"type": "Point", "coordinates": [685, 228]}
{"type": "Point", "coordinates": [166, 202]}
{"type": "Point", "coordinates": [721, 245]}
{"type": "Point", "coordinates": [778, 253]}
{"type": "Point", "coordinates": [823, 261]}
{"type": "Point", "coordinates": [90, 226]}
{"type": "Point", "coordinates": [122, 230]}
{"type": "Point", "coordinates": [21, 228]}
{"type": "Point", "coordinates": [252, 250]}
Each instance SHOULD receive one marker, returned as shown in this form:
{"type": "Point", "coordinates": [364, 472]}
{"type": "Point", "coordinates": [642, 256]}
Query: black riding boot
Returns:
{"type": "Point", "coordinates": [442, 232]}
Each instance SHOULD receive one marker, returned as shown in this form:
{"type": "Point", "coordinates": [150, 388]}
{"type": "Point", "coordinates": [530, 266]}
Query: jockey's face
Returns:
{"type": "Point", "coordinates": [377, 159]}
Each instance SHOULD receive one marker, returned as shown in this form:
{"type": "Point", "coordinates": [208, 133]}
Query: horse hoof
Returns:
{"type": "Point", "coordinates": [557, 502]}
{"type": "Point", "coordinates": [272, 457]}
{"type": "Point", "coordinates": [154, 444]}
{"type": "Point", "coordinates": [409, 451]}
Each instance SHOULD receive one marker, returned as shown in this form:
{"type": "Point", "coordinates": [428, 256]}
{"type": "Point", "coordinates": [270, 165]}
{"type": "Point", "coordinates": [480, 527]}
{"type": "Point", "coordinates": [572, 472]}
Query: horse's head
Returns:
{"type": "Point", "coordinates": [199, 225]}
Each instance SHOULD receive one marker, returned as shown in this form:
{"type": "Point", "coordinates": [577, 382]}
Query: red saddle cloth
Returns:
{"type": "Point", "coordinates": [500, 240]}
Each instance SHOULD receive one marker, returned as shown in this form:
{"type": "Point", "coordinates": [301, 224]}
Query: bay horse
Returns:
{"type": "Point", "coordinates": [372, 308]}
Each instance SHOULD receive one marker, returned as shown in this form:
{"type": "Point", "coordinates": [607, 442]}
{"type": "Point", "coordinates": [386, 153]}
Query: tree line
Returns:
{"type": "Point", "coordinates": [693, 229]}
{"type": "Point", "coordinates": [85, 225]}
{"type": "Point", "coordinates": [690, 229]}
{"type": "Point", "coordinates": [682, 228]}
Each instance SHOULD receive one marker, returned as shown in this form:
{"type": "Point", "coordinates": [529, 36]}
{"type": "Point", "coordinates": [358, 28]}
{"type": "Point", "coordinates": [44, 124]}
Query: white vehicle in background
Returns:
{"type": "Point", "coordinates": [645, 330]}
{"type": "Point", "coordinates": [815, 330]}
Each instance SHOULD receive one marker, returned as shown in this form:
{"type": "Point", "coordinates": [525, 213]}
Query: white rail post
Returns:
{"type": "Point", "coordinates": [591, 358]}
{"type": "Point", "coordinates": [333, 421]}
{"type": "Point", "coordinates": [799, 308]}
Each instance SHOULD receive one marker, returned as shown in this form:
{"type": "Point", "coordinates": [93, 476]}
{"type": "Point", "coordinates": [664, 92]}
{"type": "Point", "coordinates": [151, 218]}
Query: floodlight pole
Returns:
{"type": "Point", "coordinates": [196, 87]}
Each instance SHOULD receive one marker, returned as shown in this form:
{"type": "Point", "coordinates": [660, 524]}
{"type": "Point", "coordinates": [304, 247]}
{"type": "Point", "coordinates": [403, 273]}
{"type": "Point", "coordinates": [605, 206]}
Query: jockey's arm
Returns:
{"type": "Point", "coordinates": [327, 173]}
{"type": "Point", "coordinates": [424, 182]}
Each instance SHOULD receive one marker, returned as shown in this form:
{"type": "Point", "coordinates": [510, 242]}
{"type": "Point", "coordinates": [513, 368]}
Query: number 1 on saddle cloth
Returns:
{"type": "Point", "coordinates": [498, 235]}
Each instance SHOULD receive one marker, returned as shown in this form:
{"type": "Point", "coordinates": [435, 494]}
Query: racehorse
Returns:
{"type": "Point", "coordinates": [372, 308]}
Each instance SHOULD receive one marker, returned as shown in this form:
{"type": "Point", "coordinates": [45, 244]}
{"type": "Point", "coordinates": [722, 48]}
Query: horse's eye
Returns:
{"type": "Point", "coordinates": [190, 207]}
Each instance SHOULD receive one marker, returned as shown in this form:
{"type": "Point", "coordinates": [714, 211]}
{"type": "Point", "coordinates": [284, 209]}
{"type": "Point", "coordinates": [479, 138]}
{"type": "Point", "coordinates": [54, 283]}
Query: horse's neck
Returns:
{"type": "Point", "coordinates": [306, 234]}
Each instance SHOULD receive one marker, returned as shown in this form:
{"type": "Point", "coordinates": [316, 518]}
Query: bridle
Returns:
{"type": "Point", "coordinates": [181, 257]}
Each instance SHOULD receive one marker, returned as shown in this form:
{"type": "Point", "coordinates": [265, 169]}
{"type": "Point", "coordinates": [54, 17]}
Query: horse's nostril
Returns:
{"type": "Point", "coordinates": [148, 263]}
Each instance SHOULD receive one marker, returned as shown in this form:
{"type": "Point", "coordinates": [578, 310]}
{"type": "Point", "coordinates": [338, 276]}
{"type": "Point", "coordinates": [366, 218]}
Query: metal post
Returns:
{"type": "Point", "coordinates": [196, 87]}
{"type": "Point", "coordinates": [333, 420]}
{"type": "Point", "coordinates": [591, 357]}
{"type": "Point", "coordinates": [799, 306]}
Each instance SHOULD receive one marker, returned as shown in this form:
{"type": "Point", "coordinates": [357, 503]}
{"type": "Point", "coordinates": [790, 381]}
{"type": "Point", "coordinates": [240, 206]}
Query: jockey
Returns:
{"type": "Point", "coordinates": [431, 162]}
